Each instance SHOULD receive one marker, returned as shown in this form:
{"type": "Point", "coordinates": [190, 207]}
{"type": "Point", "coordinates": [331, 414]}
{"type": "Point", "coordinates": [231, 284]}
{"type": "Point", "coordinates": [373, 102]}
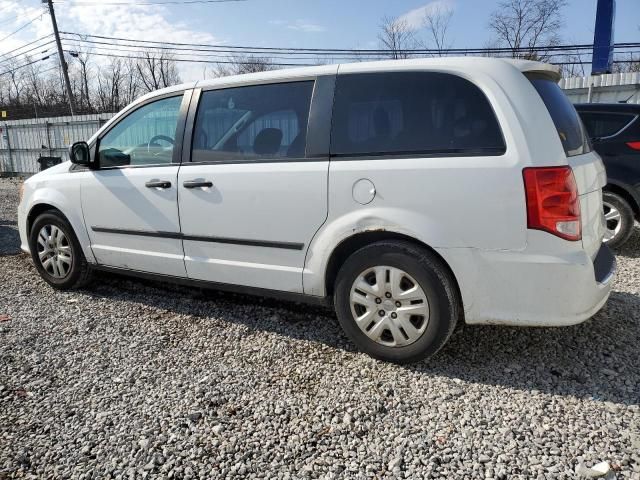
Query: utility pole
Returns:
{"type": "Point", "coordinates": [63, 63]}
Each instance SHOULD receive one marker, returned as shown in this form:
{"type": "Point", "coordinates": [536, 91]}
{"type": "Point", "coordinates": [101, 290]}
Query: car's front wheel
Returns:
{"type": "Point", "coordinates": [56, 252]}
{"type": "Point", "coordinates": [396, 301]}
{"type": "Point", "coordinates": [619, 219]}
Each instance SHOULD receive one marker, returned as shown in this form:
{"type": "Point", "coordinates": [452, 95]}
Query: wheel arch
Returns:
{"type": "Point", "coordinates": [37, 210]}
{"type": "Point", "coordinates": [351, 244]}
{"type": "Point", "coordinates": [626, 194]}
{"type": "Point", "coordinates": [42, 205]}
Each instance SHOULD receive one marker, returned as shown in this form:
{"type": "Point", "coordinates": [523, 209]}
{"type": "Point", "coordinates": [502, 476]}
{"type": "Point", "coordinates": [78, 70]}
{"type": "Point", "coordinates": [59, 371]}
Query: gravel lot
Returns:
{"type": "Point", "coordinates": [134, 379]}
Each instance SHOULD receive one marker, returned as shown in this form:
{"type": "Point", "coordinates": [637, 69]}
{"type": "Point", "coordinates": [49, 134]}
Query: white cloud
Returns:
{"type": "Point", "coordinates": [303, 26]}
{"type": "Point", "coordinates": [415, 18]}
{"type": "Point", "coordinates": [299, 25]}
{"type": "Point", "coordinates": [137, 22]}
{"type": "Point", "coordinates": [14, 16]}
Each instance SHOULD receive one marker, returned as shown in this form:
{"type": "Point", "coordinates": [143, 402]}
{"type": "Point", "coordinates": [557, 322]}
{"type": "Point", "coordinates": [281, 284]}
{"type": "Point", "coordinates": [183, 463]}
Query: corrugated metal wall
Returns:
{"type": "Point", "coordinates": [22, 142]}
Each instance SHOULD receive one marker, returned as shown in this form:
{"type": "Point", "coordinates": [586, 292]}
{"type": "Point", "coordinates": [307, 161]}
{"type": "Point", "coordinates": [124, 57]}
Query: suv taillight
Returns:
{"type": "Point", "coordinates": [552, 201]}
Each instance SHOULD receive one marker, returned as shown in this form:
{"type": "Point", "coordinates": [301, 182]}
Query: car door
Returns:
{"type": "Point", "coordinates": [253, 188]}
{"type": "Point", "coordinates": [129, 202]}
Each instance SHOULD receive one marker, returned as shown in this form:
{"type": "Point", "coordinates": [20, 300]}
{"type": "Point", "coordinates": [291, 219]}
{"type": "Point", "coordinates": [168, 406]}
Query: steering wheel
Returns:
{"type": "Point", "coordinates": [158, 137]}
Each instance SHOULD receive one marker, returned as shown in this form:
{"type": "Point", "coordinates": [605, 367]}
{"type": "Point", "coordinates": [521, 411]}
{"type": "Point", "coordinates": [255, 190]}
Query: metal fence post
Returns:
{"type": "Point", "coordinates": [11, 168]}
{"type": "Point", "coordinates": [48, 138]}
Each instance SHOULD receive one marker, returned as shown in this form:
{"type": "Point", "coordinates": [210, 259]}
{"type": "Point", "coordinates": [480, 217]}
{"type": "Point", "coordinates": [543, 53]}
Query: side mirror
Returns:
{"type": "Point", "coordinates": [80, 154]}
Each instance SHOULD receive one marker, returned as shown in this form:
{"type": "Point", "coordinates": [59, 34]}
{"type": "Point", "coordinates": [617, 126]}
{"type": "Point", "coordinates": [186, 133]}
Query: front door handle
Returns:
{"type": "Point", "coordinates": [158, 184]}
{"type": "Point", "coordinates": [197, 184]}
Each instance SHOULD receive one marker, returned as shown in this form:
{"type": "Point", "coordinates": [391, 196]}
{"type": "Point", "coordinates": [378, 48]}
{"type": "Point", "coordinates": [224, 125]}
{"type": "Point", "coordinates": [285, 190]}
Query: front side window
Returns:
{"type": "Point", "coordinates": [412, 113]}
{"type": "Point", "coordinates": [253, 122]}
{"type": "Point", "coordinates": [600, 125]}
{"type": "Point", "coordinates": [144, 137]}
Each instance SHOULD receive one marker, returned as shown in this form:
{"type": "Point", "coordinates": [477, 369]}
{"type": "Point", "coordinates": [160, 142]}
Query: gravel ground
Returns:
{"type": "Point", "coordinates": [134, 379]}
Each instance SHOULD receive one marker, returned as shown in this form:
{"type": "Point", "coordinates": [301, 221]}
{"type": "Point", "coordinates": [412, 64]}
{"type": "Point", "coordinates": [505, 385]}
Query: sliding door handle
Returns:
{"type": "Point", "coordinates": [158, 184]}
{"type": "Point", "coordinates": [197, 184]}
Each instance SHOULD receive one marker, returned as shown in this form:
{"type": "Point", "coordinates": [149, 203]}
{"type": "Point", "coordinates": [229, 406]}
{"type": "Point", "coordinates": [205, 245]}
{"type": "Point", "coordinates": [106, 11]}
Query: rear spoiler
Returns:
{"type": "Point", "coordinates": [552, 72]}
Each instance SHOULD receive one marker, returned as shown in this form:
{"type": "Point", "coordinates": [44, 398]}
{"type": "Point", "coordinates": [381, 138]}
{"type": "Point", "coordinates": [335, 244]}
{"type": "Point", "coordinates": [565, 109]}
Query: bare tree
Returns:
{"type": "Point", "coordinates": [108, 86]}
{"type": "Point", "coordinates": [397, 37]}
{"type": "Point", "coordinates": [631, 64]}
{"type": "Point", "coordinates": [571, 65]}
{"type": "Point", "coordinates": [436, 21]}
{"type": "Point", "coordinates": [240, 64]}
{"type": "Point", "coordinates": [523, 25]}
{"type": "Point", "coordinates": [15, 81]}
{"type": "Point", "coordinates": [34, 83]}
{"type": "Point", "coordinates": [130, 85]}
{"type": "Point", "coordinates": [84, 74]}
{"type": "Point", "coordinates": [157, 70]}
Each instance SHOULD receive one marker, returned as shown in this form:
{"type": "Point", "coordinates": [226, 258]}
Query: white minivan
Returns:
{"type": "Point", "coordinates": [410, 195]}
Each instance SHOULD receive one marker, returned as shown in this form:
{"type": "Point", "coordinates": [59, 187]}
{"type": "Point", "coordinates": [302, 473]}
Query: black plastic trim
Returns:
{"type": "Point", "coordinates": [227, 287]}
{"type": "Point", "coordinates": [198, 238]}
{"type": "Point", "coordinates": [319, 126]}
{"type": "Point", "coordinates": [604, 265]}
{"type": "Point", "coordinates": [190, 126]}
{"type": "Point", "coordinates": [127, 167]}
{"type": "Point", "coordinates": [139, 233]}
{"type": "Point", "coordinates": [260, 160]}
{"type": "Point", "coordinates": [420, 154]}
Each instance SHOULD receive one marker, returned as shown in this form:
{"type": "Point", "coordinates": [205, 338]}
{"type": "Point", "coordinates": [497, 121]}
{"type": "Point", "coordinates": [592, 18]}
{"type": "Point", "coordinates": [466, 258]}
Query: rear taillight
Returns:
{"type": "Point", "coordinates": [634, 145]}
{"type": "Point", "coordinates": [552, 201]}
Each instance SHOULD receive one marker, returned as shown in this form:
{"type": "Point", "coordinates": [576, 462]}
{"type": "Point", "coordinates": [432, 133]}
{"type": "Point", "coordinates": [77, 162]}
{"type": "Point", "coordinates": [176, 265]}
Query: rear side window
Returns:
{"type": "Point", "coordinates": [251, 123]}
{"type": "Point", "coordinates": [412, 113]}
{"type": "Point", "coordinates": [568, 124]}
{"type": "Point", "coordinates": [603, 124]}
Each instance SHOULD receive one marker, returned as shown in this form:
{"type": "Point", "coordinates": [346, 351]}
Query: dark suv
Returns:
{"type": "Point", "coordinates": [614, 129]}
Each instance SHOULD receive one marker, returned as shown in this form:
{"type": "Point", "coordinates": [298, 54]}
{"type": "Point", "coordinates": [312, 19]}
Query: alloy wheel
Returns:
{"type": "Point", "coordinates": [613, 222]}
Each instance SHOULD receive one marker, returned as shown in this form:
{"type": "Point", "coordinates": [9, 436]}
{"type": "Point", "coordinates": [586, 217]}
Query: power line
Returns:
{"type": "Point", "coordinates": [37, 47]}
{"type": "Point", "coordinates": [170, 2]}
{"type": "Point", "coordinates": [26, 64]}
{"type": "Point", "coordinates": [25, 45]}
{"type": "Point", "coordinates": [196, 60]}
{"type": "Point", "coordinates": [333, 58]}
{"type": "Point", "coordinates": [200, 52]}
{"type": "Point", "coordinates": [328, 51]}
{"type": "Point", "coordinates": [184, 60]}
{"type": "Point", "coordinates": [11, 20]}
{"type": "Point", "coordinates": [22, 27]}
{"type": "Point", "coordinates": [126, 47]}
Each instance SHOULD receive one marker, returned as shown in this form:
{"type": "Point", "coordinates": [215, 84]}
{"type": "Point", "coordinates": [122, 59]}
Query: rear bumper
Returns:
{"type": "Point", "coordinates": [534, 289]}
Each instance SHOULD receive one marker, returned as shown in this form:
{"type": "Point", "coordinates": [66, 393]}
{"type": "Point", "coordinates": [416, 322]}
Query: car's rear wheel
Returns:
{"type": "Point", "coordinates": [619, 220]}
{"type": "Point", "coordinates": [56, 252]}
{"type": "Point", "coordinates": [396, 301]}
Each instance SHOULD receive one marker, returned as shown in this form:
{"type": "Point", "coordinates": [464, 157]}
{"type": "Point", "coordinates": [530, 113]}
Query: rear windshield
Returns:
{"type": "Point", "coordinates": [570, 129]}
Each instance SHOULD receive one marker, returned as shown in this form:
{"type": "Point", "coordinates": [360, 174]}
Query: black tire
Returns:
{"type": "Point", "coordinates": [79, 274]}
{"type": "Point", "coordinates": [429, 272]}
{"type": "Point", "coordinates": [626, 218]}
